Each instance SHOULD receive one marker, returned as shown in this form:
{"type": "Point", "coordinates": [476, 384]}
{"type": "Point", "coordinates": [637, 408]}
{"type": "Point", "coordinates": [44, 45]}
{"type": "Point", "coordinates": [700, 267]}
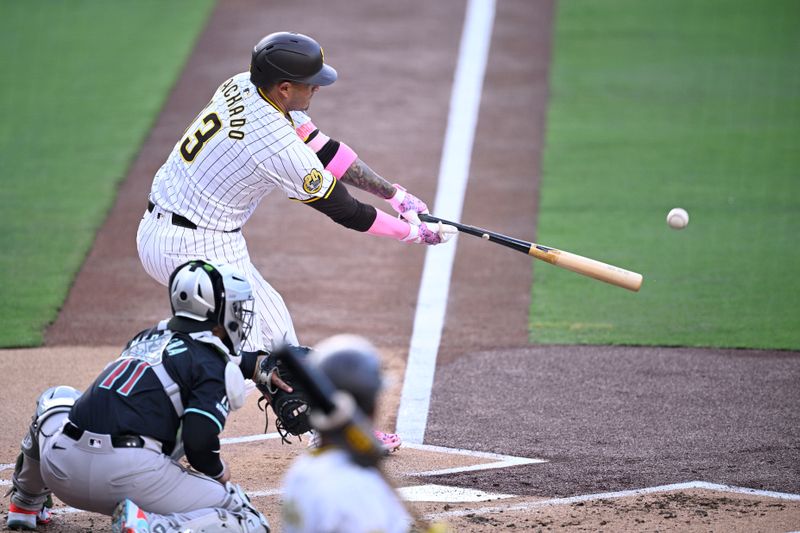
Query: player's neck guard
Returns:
{"type": "Point", "coordinates": [182, 324]}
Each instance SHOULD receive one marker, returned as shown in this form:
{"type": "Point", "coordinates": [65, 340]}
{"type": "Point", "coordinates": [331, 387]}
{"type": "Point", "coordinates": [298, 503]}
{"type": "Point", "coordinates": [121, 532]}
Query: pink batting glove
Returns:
{"type": "Point", "coordinates": [407, 205]}
{"type": "Point", "coordinates": [430, 233]}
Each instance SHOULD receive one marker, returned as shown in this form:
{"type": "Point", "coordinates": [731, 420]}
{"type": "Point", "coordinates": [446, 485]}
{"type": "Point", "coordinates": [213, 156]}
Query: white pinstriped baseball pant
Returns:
{"type": "Point", "coordinates": [163, 246]}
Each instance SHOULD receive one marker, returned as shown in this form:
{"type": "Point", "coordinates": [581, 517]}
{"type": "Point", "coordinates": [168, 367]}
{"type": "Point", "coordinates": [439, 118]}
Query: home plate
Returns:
{"type": "Point", "coordinates": [443, 493]}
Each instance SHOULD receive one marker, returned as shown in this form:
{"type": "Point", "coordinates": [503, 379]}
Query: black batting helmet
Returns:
{"type": "Point", "coordinates": [352, 364]}
{"type": "Point", "coordinates": [289, 56]}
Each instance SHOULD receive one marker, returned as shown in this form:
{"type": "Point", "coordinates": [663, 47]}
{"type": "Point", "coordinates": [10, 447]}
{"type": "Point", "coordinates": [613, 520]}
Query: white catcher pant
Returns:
{"type": "Point", "coordinates": [163, 247]}
{"type": "Point", "coordinates": [92, 475]}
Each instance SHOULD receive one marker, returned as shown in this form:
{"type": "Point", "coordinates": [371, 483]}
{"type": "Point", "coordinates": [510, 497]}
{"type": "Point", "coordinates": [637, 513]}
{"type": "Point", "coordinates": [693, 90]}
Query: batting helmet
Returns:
{"type": "Point", "coordinates": [353, 365]}
{"type": "Point", "coordinates": [204, 295]}
{"type": "Point", "coordinates": [289, 56]}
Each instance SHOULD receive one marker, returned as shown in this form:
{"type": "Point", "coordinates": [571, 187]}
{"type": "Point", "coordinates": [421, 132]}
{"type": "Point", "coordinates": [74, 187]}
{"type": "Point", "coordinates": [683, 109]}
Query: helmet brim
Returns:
{"type": "Point", "coordinates": [325, 76]}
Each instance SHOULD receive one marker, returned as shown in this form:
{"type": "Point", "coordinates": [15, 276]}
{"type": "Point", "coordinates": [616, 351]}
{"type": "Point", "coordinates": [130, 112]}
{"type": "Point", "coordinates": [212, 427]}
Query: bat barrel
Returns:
{"type": "Point", "coordinates": [573, 262]}
{"type": "Point", "coordinates": [597, 270]}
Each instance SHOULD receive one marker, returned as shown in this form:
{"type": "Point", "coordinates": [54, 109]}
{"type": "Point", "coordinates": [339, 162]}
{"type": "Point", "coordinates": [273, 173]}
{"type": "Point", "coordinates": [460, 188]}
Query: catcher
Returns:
{"type": "Point", "coordinates": [115, 448]}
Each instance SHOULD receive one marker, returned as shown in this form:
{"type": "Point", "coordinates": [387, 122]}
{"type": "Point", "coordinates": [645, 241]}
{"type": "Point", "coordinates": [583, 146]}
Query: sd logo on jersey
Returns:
{"type": "Point", "coordinates": [312, 183]}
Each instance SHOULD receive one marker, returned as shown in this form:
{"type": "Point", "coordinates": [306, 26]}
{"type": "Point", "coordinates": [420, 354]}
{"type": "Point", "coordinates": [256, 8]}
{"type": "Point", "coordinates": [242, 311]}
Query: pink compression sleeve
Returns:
{"type": "Point", "coordinates": [386, 225]}
{"type": "Point", "coordinates": [341, 160]}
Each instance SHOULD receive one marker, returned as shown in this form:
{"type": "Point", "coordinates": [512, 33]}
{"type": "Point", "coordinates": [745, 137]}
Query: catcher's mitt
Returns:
{"type": "Point", "coordinates": [290, 408]}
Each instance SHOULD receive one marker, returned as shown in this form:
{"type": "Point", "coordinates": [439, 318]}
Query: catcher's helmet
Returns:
{"type": "Point", "coordinates": [353, 365]}
{"type": "Point", "coordinates": [289, 56]}
{"type": "Point", "coordinates": [204, 295]}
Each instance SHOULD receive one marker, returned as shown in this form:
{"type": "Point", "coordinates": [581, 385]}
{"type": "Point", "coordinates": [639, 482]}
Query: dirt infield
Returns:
{"type": "Point", "coordinates": [605, 421]}
{"type": "Point", "coordinates": [578, 489]}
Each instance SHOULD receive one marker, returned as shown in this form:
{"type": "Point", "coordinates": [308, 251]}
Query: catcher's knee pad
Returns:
{"type": "Point", "coordinates": [54, 400]}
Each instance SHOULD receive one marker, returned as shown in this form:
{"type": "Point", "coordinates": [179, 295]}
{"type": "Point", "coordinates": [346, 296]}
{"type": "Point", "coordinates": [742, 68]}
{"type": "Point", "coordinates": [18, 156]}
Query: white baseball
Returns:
{"type": "Point", "coordinates": [678, 218]}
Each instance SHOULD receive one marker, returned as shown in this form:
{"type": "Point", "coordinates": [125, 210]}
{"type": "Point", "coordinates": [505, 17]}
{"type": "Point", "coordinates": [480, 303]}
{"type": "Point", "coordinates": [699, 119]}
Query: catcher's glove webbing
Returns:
{"type": "Point", "coordinates": [290, 408]}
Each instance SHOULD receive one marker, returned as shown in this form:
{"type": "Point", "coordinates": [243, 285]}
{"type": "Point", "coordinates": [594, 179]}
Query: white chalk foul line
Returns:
{"type": "Point", "coordinates": [445, 493]}
{"type": "Point", "coordinates": [614, 495]}
{"type": "Point", "coordinates": [249, 438]}
{"type": "Point", "coordinates": [465, 98]}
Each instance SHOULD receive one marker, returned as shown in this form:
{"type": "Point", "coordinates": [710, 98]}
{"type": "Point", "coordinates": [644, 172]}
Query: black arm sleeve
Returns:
{"type": "Point", "coordinates": [201, 444]}
{"type": "Point", "coordinates": [346, 210]}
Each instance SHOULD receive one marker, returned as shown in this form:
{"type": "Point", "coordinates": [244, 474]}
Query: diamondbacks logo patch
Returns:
{"type": "Point", "coordinates": [312, 183]}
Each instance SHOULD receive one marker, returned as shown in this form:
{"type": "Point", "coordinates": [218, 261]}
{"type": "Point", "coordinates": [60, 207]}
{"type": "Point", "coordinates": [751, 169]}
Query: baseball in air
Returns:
{"type": "Point", "coordinates": [678, 218]}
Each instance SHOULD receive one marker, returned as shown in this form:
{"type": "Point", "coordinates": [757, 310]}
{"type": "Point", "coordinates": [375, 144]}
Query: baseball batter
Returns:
{"type": "Point", "coordinates": [115, 448]}
{"type": "Point", "coordinates": [325, 489]}
{"type": "Point", "coordinates": [254, 138]}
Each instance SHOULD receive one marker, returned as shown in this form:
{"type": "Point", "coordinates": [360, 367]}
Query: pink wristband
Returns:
{"type": "Point", "coordinates": [304, 130]}
{"type": "Point", "coordinates": [386, 225]}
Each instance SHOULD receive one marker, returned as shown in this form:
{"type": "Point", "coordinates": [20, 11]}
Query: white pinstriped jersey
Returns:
{"type": "Point", "coordinates": [236, 151]}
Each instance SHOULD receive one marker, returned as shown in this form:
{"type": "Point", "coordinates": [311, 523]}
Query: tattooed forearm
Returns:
{"type": "Point", "coordinates": [361, 176]}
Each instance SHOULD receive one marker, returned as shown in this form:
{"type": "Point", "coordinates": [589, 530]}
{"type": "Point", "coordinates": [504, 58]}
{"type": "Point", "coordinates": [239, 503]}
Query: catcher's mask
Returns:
{"type": "Point", "coordinates": [352, 363]}
{"type": "Point", "coordinates": [289, 56]}
{"type": "Point", "coordinates": [204, 295]}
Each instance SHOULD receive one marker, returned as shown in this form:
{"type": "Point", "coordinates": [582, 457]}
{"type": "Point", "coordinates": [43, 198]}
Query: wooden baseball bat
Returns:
{"type": "Point", "coordinates": [574, 262]}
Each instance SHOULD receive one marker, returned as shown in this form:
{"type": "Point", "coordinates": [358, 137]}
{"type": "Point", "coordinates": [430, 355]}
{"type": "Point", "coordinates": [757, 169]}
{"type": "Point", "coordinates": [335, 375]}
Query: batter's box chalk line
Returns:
{"type": "Point", "coordinates": [614, 495]}
{"type": "Point", "coordinates": [498, 460]}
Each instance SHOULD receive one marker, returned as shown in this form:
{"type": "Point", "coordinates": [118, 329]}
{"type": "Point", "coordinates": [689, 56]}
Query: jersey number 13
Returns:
{"type": "Point", "coordinates": [192, 144]}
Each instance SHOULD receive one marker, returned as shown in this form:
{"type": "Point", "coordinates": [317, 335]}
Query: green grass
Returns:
{"type": "Point", "coordinates": [674, 103]}
{"type": "Point", "coordinates": [82, 83]}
